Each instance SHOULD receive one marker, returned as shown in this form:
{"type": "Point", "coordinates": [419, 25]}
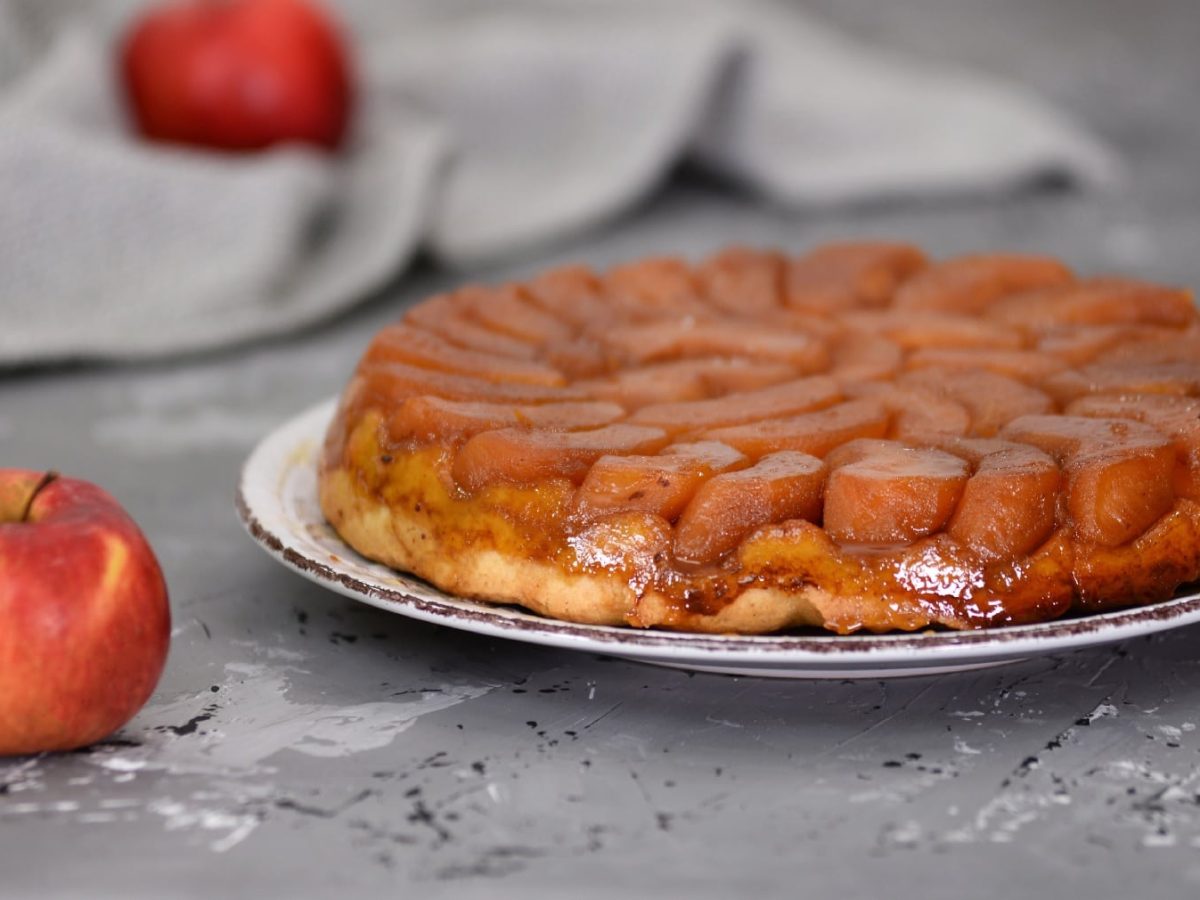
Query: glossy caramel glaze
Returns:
{"type": "Point", "coordinates": [855, 438]}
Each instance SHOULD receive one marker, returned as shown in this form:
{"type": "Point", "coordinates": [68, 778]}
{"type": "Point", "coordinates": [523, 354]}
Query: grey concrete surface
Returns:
{"type": "Point", "coordinates": [302, 745]}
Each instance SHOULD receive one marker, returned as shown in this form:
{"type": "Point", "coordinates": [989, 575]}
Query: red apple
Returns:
{"type": "Point", "coordinates": [238, 74]}
{"type": "Point", "coordinates": [84, 621]}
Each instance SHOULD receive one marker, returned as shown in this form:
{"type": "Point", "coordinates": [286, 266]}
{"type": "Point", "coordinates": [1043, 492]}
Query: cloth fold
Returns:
{"type": "Point", "coordinates": [483, 130]}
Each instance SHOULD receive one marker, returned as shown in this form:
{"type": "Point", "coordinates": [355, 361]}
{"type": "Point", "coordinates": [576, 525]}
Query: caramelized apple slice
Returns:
{"type": "Point", "coordinates": [843, 276]}
{"type": "Point", "coordinates": [991, 400]}
{"type": "Point", "coordinates": [1177, 348]}
{"type": "Point", "coordinates": [1179, 378]}
{"type": "Point", "coordinates": [507, 310]}
{"type": "Point", "coordinates": [685, 379]}
{"type": "Point", "coordinates": [1176, 417]}
{"type": "Point", "coordinates": [571, 293]}
{"type": "Point", "coordinates": [447, 317]}
{"type": "Point", "coordinates": [915, 329]}
{"type": "Point", "coordinates": [1077, 346]}
{"type": "Point", "coordinates": [969, 284]}
{"type": "Point", "coordinates": [653, 287]}
{"type": "Point", "coordinates": [821, 326]}
{"type": "Point", "coordinates": [661, 383]}
{"type": "Point", "coordinates": [742, 282]}
{"type": "Point", "coordinates": [726, 376]}
{"type": "Point", "coordinates": [786, 399]}
{"type": "Point", "coordinates": [526, 457]}
{"type": "Point", "coordinates": [1008, 505]}
{"type": "Point", "coordinates": [578, 358]}
{"type": "Point", "coordinates": [883, 492]}
{"type": "Point", "coordinates": [784, 485]}
{"type": "Point", "coordinates": [1119, 472]}
{"type": "Point", "coordinates": [713, 454]}
{"type": "Point", "coordinates": [859, 356]}
{"type": "Point", "coordinates": [862, 448]}
{"type": "Point", "coordinates": [815, 433]}
{"type": "Point", "coordinates": [1029, 366]}
{"type": "Point", "coordinates": [671, 339]}
{"type": "Point", "coordinates": [1146, 569]}
{"type": "Point", "coordinates": [390, 383]}
{"type": "Point", "coordinates": [414, 347]}
{"type": "Point", "coordinates": [661, 484]}
{"type": "Point", "coordinates": [1098, 301]}
{"type": "Point", "coordinates": [914, 411]}
{"type": "Point", "coordinates": [427, 419]}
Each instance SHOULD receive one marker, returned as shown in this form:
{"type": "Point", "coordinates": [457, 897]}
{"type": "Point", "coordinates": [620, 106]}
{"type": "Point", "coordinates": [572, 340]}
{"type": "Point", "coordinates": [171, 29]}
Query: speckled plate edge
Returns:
{"type": "Point", "coordinates": [277, 503]}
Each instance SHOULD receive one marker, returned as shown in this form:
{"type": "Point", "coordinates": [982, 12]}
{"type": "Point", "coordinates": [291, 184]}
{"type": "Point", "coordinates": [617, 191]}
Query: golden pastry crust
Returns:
{"type": "Point", "coordinates": [850, 439]}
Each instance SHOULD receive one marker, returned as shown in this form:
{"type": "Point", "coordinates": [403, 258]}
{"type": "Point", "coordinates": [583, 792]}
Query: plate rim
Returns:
{"type": "Point", "coordinates": [830, 651]}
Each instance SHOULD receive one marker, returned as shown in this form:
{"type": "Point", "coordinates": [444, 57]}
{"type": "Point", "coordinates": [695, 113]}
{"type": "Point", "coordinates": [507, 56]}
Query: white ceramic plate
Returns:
{"type": "Point", "coordinates": [277, 501]}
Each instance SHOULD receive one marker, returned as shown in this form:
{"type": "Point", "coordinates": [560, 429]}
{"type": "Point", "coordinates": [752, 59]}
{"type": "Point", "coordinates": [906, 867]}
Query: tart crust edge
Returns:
{"type": "Point", "coordinates": [422, 539]}
{"type": "Point", "coordinates": [408, 543]}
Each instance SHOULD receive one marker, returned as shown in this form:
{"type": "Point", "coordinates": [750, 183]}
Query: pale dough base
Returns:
{"type": "Point", "coordinates": [405, 542]}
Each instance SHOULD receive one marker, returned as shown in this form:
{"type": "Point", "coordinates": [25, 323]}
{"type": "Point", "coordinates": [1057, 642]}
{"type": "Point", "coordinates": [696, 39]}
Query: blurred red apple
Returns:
{"type": "Point", "coordinates": [84, 621]}
{"type": "Point", "coordinates": [238, 74]}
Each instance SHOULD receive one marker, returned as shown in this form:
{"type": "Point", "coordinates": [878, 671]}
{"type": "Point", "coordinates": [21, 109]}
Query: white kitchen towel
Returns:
{"type": "Point", "coordinates": [484, 129]}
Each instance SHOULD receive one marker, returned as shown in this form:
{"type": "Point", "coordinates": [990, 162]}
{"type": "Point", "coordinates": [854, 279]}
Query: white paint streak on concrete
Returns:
{"type": "Point", "coordinates": [256, 708]}
{"type": "Point", "coordinates": [901, 834]}
{"type": "Point", "coordinates": [235, 827]}
{"type": "Point", "coordinates": [1164, 806]}
{"type": "Point", "coordinates": [907, 782]}
{"type": "Point", "coordinates": [724, 722]}
{"type": "Point", "coordinates": [177, 390]}
{"type": "Point", "coordinates": [1154, 839]}
{"type": "Point", "coordinates": [1000, 819]}
{"type": "Point", "coordinates": [255, 380]}
{"type": "Point", "coordinates": [254, 719]}
{"type": "Point", "coordinates": [96, 818]}
{"type": "Point", "coordinates": [275, 653]}
{"type": "Point", "coordinates": [1102, 711]}
{"type": "Point", "coordinates": [146, 435]}
{"type": "Point", "coordinates": [1026, 794]}
{"type": "Point", "coordinates": [119, 803]}
{"type": "Point", "coordinates": [21, 776]}
{"type": "Point", "coordinates": [121, 764]}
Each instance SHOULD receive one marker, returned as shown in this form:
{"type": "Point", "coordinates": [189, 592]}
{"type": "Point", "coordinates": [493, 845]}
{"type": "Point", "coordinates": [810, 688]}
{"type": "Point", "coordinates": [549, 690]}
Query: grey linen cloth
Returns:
{"type": "Point", "coordinates": [483, 129]}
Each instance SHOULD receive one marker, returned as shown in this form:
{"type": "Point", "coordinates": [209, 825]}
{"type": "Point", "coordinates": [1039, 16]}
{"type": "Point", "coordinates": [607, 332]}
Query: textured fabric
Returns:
{"type": "Point", "coordinates": [483, 129]}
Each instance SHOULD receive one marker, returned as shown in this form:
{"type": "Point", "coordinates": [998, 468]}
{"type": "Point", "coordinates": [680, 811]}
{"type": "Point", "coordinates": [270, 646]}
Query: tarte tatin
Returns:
{"type": "Point", "coordinates": [853, 438]}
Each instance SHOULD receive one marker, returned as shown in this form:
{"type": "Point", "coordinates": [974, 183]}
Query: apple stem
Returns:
{"type": "Point", "coordinates": [45, 481]}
